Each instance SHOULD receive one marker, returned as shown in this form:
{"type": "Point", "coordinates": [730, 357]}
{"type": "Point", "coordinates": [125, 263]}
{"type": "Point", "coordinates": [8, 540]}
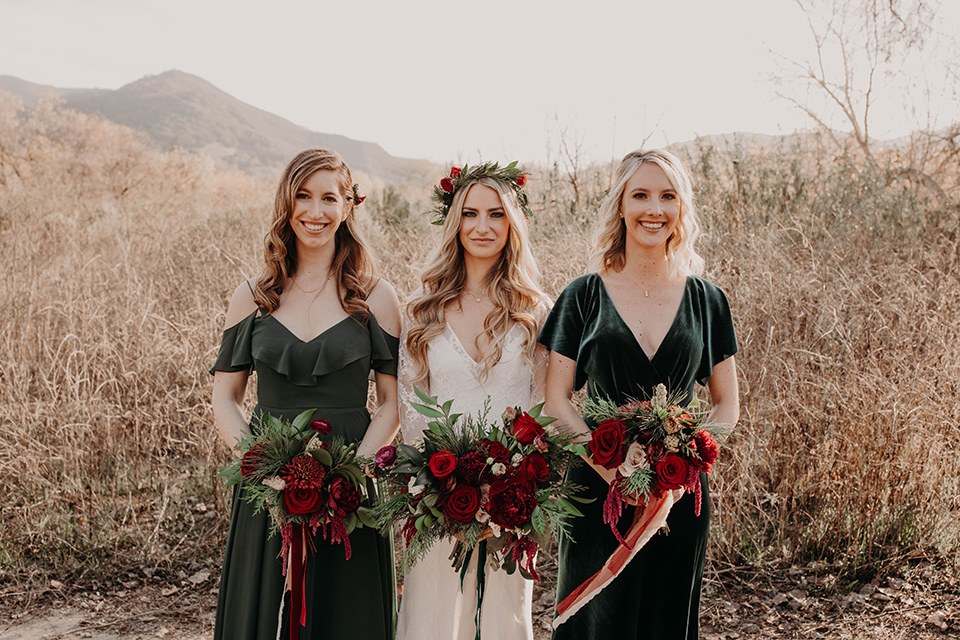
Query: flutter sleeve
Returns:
{"type": "Point", "coordinates": [236, 352]}
{"type": "Point", "coordinates": [384, 349]}
{"type": "Point", "coordinates": [719, 337]}
{"type": "Point", "coordinates": [564, 328]}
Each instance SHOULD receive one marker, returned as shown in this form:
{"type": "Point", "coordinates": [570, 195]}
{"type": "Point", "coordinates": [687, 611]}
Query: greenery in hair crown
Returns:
{"type": "Point", "coordinates": [443, 193]}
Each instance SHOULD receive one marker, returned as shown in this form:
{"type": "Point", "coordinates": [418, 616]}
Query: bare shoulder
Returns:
{"type": "Point", "coordinates": [241, 304]}
{"type": "Point", "coordinates": [385, 305]}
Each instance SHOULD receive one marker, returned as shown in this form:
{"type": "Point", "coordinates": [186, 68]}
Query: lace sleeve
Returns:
{"type": "Point", "coordinates": [412, 423]}
{"type": "Point", "coordinates": [541, 355]}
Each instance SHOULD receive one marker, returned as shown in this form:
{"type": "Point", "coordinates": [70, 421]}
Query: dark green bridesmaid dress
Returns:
{"type": "Point", "coordinates": [657, 597]}
{"type": "Point", "coordinates": [344, 598]}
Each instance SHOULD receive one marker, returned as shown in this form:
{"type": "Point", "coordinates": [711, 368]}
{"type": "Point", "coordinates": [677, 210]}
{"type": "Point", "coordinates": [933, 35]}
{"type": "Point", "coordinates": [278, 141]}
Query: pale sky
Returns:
{"type": "Point", "coordinates": [451, 81]}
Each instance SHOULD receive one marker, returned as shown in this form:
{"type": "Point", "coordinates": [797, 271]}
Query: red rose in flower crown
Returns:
{"type": "Point", "coordinates": [454, 172]}
{"type": "Point", "coordinates": [494, 449]}
{"type": "Point", "coordinates": [446, 184]}
{"type": "Point", "coordinates": [671, 472]}
{"type": "Point", "coordinates": [522, 180]}
{"type": "Point", "coordinates": [606, 445]}
{"type": "Point", "coordinates": [511, 503]}
{"type": "Point", "coordinates": [251, 460]}
{"type": "Point", "coordinates": [442, 463]}
{"type": "Point", "coordinates": [462, 504]}
{"type": "Point", "coordinates": [300, 500]}
{"type": "Point", "coordinates": [526, 428]}
{"type": "Point", "coordinates": [344, 497]}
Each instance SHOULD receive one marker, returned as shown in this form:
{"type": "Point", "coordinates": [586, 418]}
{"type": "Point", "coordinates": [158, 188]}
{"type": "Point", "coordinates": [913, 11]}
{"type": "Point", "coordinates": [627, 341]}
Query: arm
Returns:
{"type": "Point", "coordinates": [229, 387]}
{"type": "Point", "coordinates": [724, 393]}
{"type": "Point", "coordinates": [561, 375]}
{"type": "Point", "coordinates": [385, 305]}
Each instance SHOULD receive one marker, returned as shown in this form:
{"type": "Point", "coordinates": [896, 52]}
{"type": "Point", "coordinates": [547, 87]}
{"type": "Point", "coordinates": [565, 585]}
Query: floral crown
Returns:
{"type": "Point", "coordinates": [512, 174]}
{"type": "Point", "coordinates": [359, 195]}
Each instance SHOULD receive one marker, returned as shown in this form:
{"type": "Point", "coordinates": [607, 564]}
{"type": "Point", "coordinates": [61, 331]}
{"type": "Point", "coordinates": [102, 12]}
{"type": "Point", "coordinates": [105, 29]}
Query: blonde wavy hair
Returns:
{"type": "Point", "coordinates": [512, 284]}
{"type": "Point", "coordinates": [353, 264]}
{"type": "Point", "coordinates": [610, 240]}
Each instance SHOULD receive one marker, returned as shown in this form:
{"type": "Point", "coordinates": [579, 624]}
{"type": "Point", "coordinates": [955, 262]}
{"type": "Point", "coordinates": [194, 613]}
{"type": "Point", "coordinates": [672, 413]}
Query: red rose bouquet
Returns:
{"type": "Point", "coordinates": [307, 484]}
{"type": "Point", "coordinates": [475, 482]}
{"type": "Point", "coordinates": [655, 445]}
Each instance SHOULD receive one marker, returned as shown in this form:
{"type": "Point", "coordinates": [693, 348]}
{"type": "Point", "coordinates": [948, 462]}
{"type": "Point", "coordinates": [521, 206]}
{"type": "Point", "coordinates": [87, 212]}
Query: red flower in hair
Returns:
{"type": "Point", "coordinates": [522, 180]}
{"type": "Point", "coordinates": [454, 172]}
{"type": "Point", "coordinates": [446, 184]}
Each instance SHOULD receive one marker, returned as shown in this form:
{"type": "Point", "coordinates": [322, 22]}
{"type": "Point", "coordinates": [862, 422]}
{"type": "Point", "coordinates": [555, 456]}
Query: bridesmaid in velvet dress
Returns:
{"type": "Point", "coordinates": [312, 326]}
{"type": "Point", "coordinates": [643, 318]}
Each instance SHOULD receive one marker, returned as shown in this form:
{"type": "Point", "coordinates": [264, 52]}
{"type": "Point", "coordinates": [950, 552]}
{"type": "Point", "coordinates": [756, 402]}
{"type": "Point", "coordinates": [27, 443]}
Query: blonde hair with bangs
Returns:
{"type": "Point", "coordinates": [512, 284]}
{"type": "Point", "coordinates": [610, 241]}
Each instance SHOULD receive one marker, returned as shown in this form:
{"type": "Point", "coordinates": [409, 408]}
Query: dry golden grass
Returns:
{"type": "Point", "coordinates": [118, 260]}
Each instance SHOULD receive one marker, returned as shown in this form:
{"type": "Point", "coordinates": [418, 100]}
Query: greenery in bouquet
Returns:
{"type": "Point", "coordinates": [474, 481]}
{"type": "Point", "coordinates": [656, 445]}
{"type": "Point", "coordinates": [302, 479]}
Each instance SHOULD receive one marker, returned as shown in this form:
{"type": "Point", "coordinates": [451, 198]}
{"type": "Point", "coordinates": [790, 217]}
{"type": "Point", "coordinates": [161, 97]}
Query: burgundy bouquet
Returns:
{"type": "Point", "coordinates": [472, 481]}
{"type": "Point", "coordinates": [655, 445]}
{"type": "Point", "coordinates": [307, 484]}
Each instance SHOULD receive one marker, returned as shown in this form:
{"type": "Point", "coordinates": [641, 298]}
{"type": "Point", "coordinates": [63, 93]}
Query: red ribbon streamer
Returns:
{"type": "Point", "coordinates": [298, 586]}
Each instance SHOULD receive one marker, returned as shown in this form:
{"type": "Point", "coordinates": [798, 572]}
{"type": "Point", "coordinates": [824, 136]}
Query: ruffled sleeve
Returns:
{"type": "Point", "coordinates": [564, 328]}
{"type": "Point", "coordinates": [236, 352]}
{"type": "Point", "coordinates": [719, 337]}
{"type": "Point", "coordinates": [384, 349]}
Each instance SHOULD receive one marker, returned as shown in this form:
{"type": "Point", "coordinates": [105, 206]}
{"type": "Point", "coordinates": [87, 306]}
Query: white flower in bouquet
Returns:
{"type": "Point", "coordinates": [516, 459]}
{"type": "Point", "coordinates": [498, 469]}
{"type": "Point", "coordinates": [275, 482]}
{"type": "Point", "coordinates": [672, 443]}
{"type": "Point", "coordinates": [413, 487]}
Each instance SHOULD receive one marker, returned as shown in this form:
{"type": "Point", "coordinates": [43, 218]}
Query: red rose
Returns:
{"type": "Point", "coordinates": [671, 472]}
{"type": "Point", "coordinates": [304, 471]}
{"type": "Point", "coordinates": [321, 426]}
{"type": "Point", "coordinates": [708, 449]}
{"type": "Point", "coordinates": [442, 463]}
{"type": "Point", "coordinates": [494, 449]}
{"type": "Point", "coordinates": [344, 497]}
{"type": "Point", "coordinates": [522, 180]}
{"type": "Point", "coordinates": [526, 428]}
{"type": "Point", "coordinates": [446, 184]}
{"type": "Point", "coordinates": [251, 460]}
{"type": "Point", "coordinates": [455, 172]}
{"type": "Point", "coordinates": [511, 503]}
{"type": "Point", "coordinates": [535, 467]}
{"type": "Point", "coordinates": [300, 500]}
{"type": "Point", "coordinates": [470, 466]}
{"type": "Point", "coordinates": [606, 445]}
{"type": "Point", "coordinates": [462, 504]}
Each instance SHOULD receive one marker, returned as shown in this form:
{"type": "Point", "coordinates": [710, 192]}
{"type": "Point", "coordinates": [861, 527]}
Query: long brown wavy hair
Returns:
{"type": "Point", "coordinates": [512, 284]}
{"type": "Point", "coordinates": [354, 267]}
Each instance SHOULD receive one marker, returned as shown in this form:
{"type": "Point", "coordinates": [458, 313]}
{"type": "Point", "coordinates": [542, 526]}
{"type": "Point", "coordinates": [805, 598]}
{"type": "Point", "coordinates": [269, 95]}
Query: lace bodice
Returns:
{"type": "Point", "coordinates": [455, 375]}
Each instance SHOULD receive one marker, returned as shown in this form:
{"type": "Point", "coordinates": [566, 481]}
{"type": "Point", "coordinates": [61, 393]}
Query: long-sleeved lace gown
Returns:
{"type": "Point", "coordinates": [433, 606]}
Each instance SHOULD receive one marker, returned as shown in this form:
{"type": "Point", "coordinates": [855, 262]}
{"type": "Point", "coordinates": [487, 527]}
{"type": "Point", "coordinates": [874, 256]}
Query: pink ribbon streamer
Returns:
{"type": "Point", "coordinates": [645, 524]}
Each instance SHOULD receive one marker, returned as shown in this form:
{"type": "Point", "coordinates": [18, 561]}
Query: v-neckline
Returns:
{"type": "Point", "coordinates": [636, 341]}
{"type": "Point", "coordinates": [463, 349]}
{"type": "Point", "coordinates": [314, 338]}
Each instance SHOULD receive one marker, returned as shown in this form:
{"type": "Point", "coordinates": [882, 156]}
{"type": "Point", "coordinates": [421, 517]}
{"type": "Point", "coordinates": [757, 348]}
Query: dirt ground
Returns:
{"type": "Point", "coordinates": [921, 603]}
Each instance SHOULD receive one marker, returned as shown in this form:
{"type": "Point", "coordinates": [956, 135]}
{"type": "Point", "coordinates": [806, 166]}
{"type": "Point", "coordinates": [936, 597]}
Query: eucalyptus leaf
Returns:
{"type": "Point", "coordinates": [303, 419]}
{"type": "Point", "coordinates": [322, 456]}
{"type": "Point", "coordinates": [411, 453]}
{"type": "Point", "coordinates": [568, 507]}
{"type": "Point", "coordinates": [430, 412]}
{"type": "Point", "coordinates": [424, 397]}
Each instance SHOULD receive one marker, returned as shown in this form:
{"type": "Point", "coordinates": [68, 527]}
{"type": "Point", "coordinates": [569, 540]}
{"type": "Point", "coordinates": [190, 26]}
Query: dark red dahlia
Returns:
{"type": "Point", "coordinates": [470, 466]}
{"type": "Point", "coordinates": [511, 503]}
{"type": "Point", "coordinates": [304, 472]}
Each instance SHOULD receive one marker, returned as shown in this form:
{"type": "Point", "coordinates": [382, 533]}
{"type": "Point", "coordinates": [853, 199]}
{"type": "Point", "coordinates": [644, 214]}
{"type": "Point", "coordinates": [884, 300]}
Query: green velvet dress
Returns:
{"type": "Point", "coordinates": [344, 598]}
{"type": "Point", "coordinates": [657, 597]}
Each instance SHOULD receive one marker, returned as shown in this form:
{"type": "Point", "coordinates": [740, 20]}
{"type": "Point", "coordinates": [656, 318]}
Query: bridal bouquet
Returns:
{"type": "Point", "coordinates": [477, 482]}
{"type": "Point", "coordinates": [655, 445]}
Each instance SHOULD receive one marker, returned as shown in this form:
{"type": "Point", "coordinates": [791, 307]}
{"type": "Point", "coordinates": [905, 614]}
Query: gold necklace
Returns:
{"type": "Point", "coordinates": [318, 290]}
{"type": "Point", "coordinates": [472, 295]}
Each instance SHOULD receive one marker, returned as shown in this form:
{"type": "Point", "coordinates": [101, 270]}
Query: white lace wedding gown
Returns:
{"type": "Point", "coordinates": [433, 606]}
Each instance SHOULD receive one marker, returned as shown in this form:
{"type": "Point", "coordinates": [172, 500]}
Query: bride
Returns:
{"type": "Point", "coordinates": [470, 333]}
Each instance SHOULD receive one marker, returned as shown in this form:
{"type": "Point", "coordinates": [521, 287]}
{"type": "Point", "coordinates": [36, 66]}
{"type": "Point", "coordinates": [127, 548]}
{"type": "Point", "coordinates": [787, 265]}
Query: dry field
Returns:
{"type": "Point", "coordinates": [118, 260]}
